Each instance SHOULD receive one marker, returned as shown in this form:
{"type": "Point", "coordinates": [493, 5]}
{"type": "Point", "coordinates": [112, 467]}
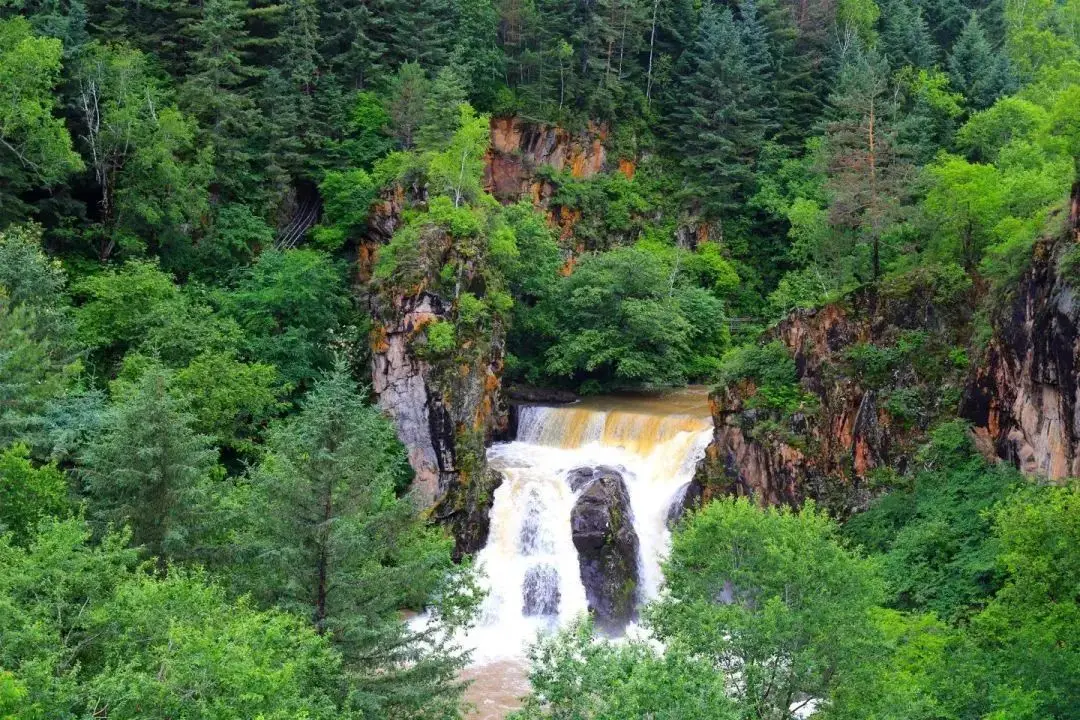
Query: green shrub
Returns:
{"type": "Point", "coordinates": [772, 371]}
{"type": "Point", "coordinates": [441, 337]}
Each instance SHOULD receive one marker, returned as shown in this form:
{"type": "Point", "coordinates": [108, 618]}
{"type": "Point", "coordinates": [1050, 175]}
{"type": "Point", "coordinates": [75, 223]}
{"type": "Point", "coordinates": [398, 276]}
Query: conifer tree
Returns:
{"type": "Point", "coordinates": [718, 124]}
{"type": "Point", "coordinates": [407, 103]}
{"type": "Point", "coordinates": [975, 69]}
{"type": "Point", "coordinates": [216, 91]}
{"type": "Point", "coordinates": [906, 38]}
{"type": "Point", "coordinates": [328, 537]}
{"type": "Point", "coordinates": [149, 470]}
{"type": "Point", "coordinates": [867, 167]}
{"type": "Point", "coordinates": [445, 95]}
{"type": "Point", "coordinates": [421, 31]}
{"type": "Point", "coordinates": [292, 95]}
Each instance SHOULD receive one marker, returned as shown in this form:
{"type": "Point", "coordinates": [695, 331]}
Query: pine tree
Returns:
{"type": "Point", "coordinates": [976, 69]}
{"type": "Point", "coordinates": [718, 125]}
{"type": "Point", "coordinates": [217, 92]}
{"type": "Point", "coordinates": [149, 470]}
{"type": "Point", "coordinates": [867, 168]}
{"type": "Point", "coordinates": [329, 537]}
{"type": "Point", "coordinates": [906, 38]}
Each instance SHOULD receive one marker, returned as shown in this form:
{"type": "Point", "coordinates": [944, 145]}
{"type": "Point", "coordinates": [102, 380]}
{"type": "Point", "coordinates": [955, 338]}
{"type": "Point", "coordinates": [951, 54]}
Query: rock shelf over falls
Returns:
{"type": "Point", "coordinates": [580, 521]}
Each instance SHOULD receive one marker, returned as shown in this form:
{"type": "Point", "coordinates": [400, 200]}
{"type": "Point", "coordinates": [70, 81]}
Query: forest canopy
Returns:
{"type": "Point", "coordinates": [204, 207]}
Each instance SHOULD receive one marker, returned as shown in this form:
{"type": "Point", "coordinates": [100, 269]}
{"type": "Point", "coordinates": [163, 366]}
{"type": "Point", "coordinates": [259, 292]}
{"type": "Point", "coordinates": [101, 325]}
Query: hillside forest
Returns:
{"type": "Point", "coordinates": [213, 215]}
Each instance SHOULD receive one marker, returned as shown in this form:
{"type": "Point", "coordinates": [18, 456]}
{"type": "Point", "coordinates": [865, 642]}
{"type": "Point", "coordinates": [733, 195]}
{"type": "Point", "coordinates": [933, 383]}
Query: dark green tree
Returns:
{"type": "Point", "coordinates": [149, 470]}
{"type": "Point", "coordinates": [976, 69]}
{"type": "Point", "coordinates": [217, 91]}
{"type": "Point", "coordinates": [718, 124]}
{"type": "Point", "coordinates": [328, 537]}
{"type": "Point", "coordinates": [906, 37]}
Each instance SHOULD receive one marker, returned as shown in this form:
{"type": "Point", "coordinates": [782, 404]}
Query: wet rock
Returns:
{"type": "Point", "coordinates": [540, 591]}
{"type": "Point", "coordinates": [580, 476]}
{"type": "Point", "coordinates": [603, 531]}
{"type": "Point", "coordinates": [687, 497]}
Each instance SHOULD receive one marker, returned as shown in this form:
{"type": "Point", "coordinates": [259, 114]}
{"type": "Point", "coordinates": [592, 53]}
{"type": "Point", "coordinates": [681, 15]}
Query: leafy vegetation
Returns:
{"type": "Point", "coordinates": [207, 209]}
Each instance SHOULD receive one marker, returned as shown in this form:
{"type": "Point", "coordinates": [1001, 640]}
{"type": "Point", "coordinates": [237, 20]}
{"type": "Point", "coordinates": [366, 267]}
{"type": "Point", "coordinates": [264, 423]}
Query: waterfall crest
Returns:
{"type": "Point", "coordinates": [530, 561]}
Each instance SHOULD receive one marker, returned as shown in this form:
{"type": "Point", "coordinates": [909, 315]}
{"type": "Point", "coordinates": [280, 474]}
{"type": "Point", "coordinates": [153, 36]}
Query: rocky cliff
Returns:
{"type": "Point", "coordinates": [447, 407]}
{"type": "Point", "coordinates": [879, 368]}
{"type": "Point", "coordinates": [1024, 397]}
{"type": "Point", "coordinates": [872, 373]}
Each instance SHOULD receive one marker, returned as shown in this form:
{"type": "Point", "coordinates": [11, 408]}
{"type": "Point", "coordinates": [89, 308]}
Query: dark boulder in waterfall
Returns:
{"type": "Point", "coordinates": [603, 531]}
{"type": "Point", "coordinates": [579, 477]}
{"type": "Point", "coordinates": [540, 591]}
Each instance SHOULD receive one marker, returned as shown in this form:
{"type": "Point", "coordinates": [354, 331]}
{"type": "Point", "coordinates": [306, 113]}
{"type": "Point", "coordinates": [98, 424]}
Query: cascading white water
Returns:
{"type": "Point", "coordinates": [530, 562]}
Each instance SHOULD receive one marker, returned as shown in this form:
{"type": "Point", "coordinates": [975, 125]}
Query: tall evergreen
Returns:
{"type": "Point", "coordinates": [976, 69]}
{"type": "Point", "coordinates": [718, 123]}
{"type": "Point", "coordinates": [217, 92]}
{"type": "Point", "coordinates": [328, 537]}
{"type": "Point", "coordinates": [355, 37]}
{"type": "Point", "coordinates": [291, 95]}
{"type": "Point", "coordinates": [149, 470]}
{"type": "Point", "coordinates": [868, 170]}
{"type": "Point", "coordinates": [906, 37]}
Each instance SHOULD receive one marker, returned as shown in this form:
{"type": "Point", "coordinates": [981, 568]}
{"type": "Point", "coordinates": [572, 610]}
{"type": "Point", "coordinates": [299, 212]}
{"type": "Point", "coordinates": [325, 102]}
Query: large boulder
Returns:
{"type": "Point", "coordinates": [603, 530]}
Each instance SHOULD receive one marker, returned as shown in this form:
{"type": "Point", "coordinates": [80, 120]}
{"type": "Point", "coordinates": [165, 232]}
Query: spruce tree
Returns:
{"type": "Point", "coordinates": [329, 536]}
{"type": "Point", "coordinates": [976, 69]}
{"type": "Point", "coordinates": [421, 31]}
{"type": "Point", "coordinates": [292, 95]}
{"type": "Point", "coordinates": [354, 41]}
{"type": "Point", "coordinates": [217, 92]}
{"type": "Point", "coordinates": [906, 38]}
{"type": "Point", "coordinates": [148, 469]}
{"type": "Point", "coordinates": [718, 124]}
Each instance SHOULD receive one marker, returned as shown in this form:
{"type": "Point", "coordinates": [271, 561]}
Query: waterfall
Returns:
{"type": "Point", "coordinates": [530, 562]}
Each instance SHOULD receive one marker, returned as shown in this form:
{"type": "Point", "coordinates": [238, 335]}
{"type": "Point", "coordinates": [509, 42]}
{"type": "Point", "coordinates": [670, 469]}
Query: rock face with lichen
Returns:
{"type": "Point", "coordinates": [877, 369]}
{"type": "Point", "coordinates": [603, 531]}
{"type": "Point", "coordinates": [887, 362]}
{"type": "Point", "coordinates": [1024, 398]}
{"type": "Point", "coordinates": [444, 413]}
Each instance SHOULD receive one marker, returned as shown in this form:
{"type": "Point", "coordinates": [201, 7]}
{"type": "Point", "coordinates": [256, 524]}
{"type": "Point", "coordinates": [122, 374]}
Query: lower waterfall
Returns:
{"type": "Point", "coordinates": [530, 563]}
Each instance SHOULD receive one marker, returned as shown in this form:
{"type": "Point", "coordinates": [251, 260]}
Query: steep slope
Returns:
{"type": "Point", "coordinates": [1024, 398]}
{"type": "Point", "coordinates": [880, 367]}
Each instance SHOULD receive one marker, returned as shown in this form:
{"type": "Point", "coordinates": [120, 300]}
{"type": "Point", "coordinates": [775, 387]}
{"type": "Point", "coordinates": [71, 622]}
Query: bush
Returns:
{"type": "Point", "coordinates": [772, 371]}
{"type": "Point", "coordinates": [441, 337]}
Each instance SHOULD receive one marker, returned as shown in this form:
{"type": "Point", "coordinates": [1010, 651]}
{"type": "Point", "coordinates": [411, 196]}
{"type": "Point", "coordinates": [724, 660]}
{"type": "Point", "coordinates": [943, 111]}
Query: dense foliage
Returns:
{"type": "Point", "coordinates": [204, 207]}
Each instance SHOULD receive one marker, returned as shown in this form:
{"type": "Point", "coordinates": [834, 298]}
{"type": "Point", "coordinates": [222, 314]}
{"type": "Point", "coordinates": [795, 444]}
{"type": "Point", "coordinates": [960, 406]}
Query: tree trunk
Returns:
{"type": "Point", "coordinates": [652, 45]}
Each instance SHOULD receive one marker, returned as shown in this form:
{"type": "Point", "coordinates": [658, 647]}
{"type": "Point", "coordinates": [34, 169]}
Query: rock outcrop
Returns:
{"type": "Point", "coordinates": [444, 413]}
{"type": "Point", "coordinates": [520, 147]}
{"type": "Point", "coordinates": [856, 422]}
{"type": "Point", "coordinates": [447, 409]}
{"type": "Point", "coordinates": [887, 362]}
{"type": "Point", "coordinates": [1024, 398]}
{"type": "Point", "coordinates": [603, 533]}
